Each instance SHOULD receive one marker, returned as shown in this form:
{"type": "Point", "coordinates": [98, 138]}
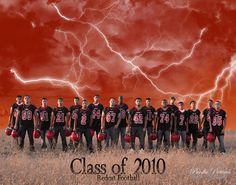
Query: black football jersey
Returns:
{"type": "Point", "coordinates": [150, 111]}
{"type": "Point", "coordinates": [123, 114]}
{"type": "Point", "coordinates": [60, 116]}
{"type": "Point", "coordinates": [137, 117]}
{"type": "Point", "coordinates": [74, 109]}
{"type": "Point", "coordinates": [26, 114]}
{"type": "Point", "coordinates": [111, 116]}
{"type": "Point", "coordinates": [96, 110]}
{"type": "Point", "coordinates": [44, 114]}
{"type": "Point", "coordinates": [217, 120]}
{"type": "Point", "coordinates": [84, 116]}
{"type": "Point", "coordinates": [193, 119]}
{"type": "Point", "coordinates": [182, 118]}
{"type": "Point", "coordinates": [14, 108]}
{"type": "Point", "coordinates": [164, 117]}
{"type": "Point", "coordinates": [207, 115]}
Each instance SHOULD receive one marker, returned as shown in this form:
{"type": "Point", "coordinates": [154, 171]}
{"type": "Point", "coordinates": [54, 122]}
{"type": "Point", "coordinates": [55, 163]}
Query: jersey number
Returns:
{"type": "Point", "coordinates": [26, 115]}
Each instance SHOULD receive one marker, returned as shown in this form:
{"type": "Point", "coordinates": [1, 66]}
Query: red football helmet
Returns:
{"type": "Point", "coordinates": [8, 131]}
{"type": "Point", "coordinates": [188, 138]}
{"type": "Point", "coordinates": [75, 136]}
{"type": "Point", "coordinates": [15, 134]}
{"type": "Point", "coordinates": [68, 132]}
{"type": "Point", "coordinates": [91, 132]}
{"type": "Point", "coordinates": [211, 137]}
{"type": "Point", "coordinates": [127, 138]}
{"type": "Point", "coordinates": [50, 134]}
{"type": "Point", "coordinates": [153, 136]}
{"type": "Point", "coordinates": [101, 136]}
{"type": "Point", "coordinates": [175, 137]}
{"type": "Point", "coordinates": [36, 134]}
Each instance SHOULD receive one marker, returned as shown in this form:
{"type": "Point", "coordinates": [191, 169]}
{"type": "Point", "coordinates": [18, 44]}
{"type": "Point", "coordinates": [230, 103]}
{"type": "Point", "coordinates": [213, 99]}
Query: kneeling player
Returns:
{"type": "Point", "coordinates": [218, 126]}
{"type": "Point", "coordinates": [137, 123]}
{"type": "Point", "coordinates": [110, 122]}
{"type": "Point", "coordinates": [59, 123]}
{"type": "Point", "coordinates": [44, 113]}
{"type": "Point", "coordinates": [164, 124]}
{"type": "Point", "coordinates": [181, 123]}
{"type": "Point", "coordinates": [84, 123]}
{"type": "Point", "coordinates": [193, 124]}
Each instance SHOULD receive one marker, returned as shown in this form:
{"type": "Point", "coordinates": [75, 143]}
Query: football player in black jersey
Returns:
{"type": "Point", "coordinates": [150, 111]}
{"type": "Point", "coordinates": [44, 117]}
{"type": "Point", "coordinates": [206, 119]}
{"type": "Point", "coordinates": [96, 107]}
{"type": "Point", "coordinates": [164, 121]}
{"type": "Point", "coordinates": [193, 124]}
{"type": "Point", "coordinates": [74, 110]}
{"type": "Point", "coordinates": [13, 113]}
{"type": "Point", "coordinates": [137, 123]}
{"type": "Point", "coordinates": [83, 123]}
{"type": "Point", "coordinates": [26, 121]}
{"type": "Point", "coordinates": [174, 108]}
{"type": "Point", "coordinates": [217, 126]}
{"type": "Point", "coordinates": [123, 107]}
{"type": "Point", "coordinates": [181, 123]}
{"type": "Point", "coordinates": [59, 122]}
{"type": "Point", "coordinates": [110, 122]}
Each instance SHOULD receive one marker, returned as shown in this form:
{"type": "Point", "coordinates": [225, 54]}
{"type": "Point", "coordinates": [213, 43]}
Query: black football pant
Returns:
{"type": "Point", "coordinates": [88, 138]}
{"type": "Point", "coordinates": [60, 130]}
{"type": "Point", "coordinates": [163, 135]}
{"type": "Point", "coordinates": [150, 143]}
{"type": "Point", "coordinates": [74, 145]}
{"type": "Point", "coordinates": [97, 129]}
{"type": "Point", "coordinates": [120, 132]}
{"type": "Point", "coordinates": [29, 128]}
{"type": "Point", "coordinates": [194, 133]}
{"type": "Point", "coordinates": [43, 132]}
{"type": "Point", "coordinates": [205, 132]}
{"type": "Point", "coordinates": [137, 131]}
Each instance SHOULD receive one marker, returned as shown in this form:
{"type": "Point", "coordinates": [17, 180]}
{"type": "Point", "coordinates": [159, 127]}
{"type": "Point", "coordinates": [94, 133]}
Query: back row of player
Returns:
{"type": "Point", "coordinates": [117, 120]}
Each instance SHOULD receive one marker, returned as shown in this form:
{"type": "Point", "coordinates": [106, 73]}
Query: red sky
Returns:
{"type": "Point", "coordinates": [149, 48]}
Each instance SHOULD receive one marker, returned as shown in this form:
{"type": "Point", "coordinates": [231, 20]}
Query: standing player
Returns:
{"type": "Point", "coordinates": [164, 120]}
{"type": "Point", "coordinates": [174, 108]}
{"type": "Point", "coordinates": [206, 119]}
{"type": "Point", "coordinates": [83, 123]}
{"type": "Point", "coordinates": [59, 122]}
{"type": "Point", "coordinates": [96, 109]}
{"type": "Point", "coordinates": [181, 123]}
{"type": "Point", "coordinates": [137, 123]}
{"type": "Point", "coordinates": [110, 121]}
{"type": "Point", "coordinates": [26, 121]}
{"type": "Point", "coordinates": [123, 123]}
{"type": "Point", "coordinates": [218, 125]}
{"type": "Point", "coordinates": [13, 113]}
{"type": "Point", "coordinates": [193, 124]}
{"type": "Point", "coordinates": [74, 110]}
{"type": "Point", "coordinates": [150, 111]}
{"type": "Point", "coordinates": [44, 117]}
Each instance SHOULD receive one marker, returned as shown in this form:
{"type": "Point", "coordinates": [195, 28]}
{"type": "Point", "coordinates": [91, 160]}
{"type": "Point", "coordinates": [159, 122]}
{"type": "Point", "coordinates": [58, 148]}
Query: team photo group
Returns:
{"type": "Point", "coordinates": [170, 126]}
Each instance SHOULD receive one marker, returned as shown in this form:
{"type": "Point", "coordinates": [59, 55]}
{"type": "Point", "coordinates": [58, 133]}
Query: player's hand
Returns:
{"type": "Point", "coordinates": [116, 126]}
{"type": "Point", "coordinates": [210, 130]}
{"type": "Point", "coordinates": [222, 131]}
{"type": "Point", "coordinates": [144, 129]}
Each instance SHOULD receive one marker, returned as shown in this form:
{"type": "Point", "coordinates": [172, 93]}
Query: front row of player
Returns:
{"type": "Point", "coordinates": [168, 124]}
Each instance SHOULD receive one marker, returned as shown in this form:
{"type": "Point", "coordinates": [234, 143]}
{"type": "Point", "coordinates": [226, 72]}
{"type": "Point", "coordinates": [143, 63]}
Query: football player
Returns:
{"type": "Point", "coordinates": [150, 111]}
{"type": "Point", "coordinates": [44, 117]}
{"type": "Point", "coordinates": [26, 121]}
{"type": "Point", "coordinates": [218, 125]}
{"type": "Point", "coordinates": [164, 121]}
{"type": "Point", "coordinates": [206, 121]}
{"type": "Point", "coordinates": [83, 123]}
{"type": "Point", "coordinates": [110, 121]}
{"type": "Point", "coordinates": [59, 122]}
{"type": "Point", "coordinates": [137, 124]}
{"type": "Point", "coordinates": [123, 107]}
{"type": "Point", "coordinates": [96, 107]}
{"type": "Point", "coordinates": [193, 124]}
{"type": "Point", "coordinates": [181, 123]}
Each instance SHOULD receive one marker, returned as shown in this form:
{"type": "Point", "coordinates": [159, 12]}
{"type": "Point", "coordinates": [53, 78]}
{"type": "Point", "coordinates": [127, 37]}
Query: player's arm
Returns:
{"type": "Point", "coordinates": [35, 118]}
{"type": "Point", "coordinates": [103, 121]}
{"type": "Point", "coordinates": [17, 119]}
{"type": "Point", "coordinates": [202, 121]}
{"type": "Point", "coordinates": [75, 122]}
{"type": "Point", "coordinates": [171, 120]}
{"type": "Point", "coordinates": [52, 120]}
{"type": "Point", "coordinates": [153, 121]}
{"type": "Point", "coordinates": [145, 123]}
{"type": "Point", "coordinates": [224, 124]}
{"type": "Point", "coordinates": [175, 122]}
{"type": "Point", "coordinates": [199, 122]}
{"type": "Point", "coordinates": [156, 121]}
{"type": "Point", "coordinates": [187, 125]}
{"type": "Point", "coordinates": [67, 120]}
{"type": "Point", "coordinates": [10, 118]}
{"type": "Point", "coordinates": [129, 122]}
{"type": "Point", "coordinates": [91, 121]}
{"type": "Point", "coordinates": [119, 120]}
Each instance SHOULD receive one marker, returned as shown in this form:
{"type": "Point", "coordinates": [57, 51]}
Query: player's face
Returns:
{"type": "Point", "coordinates": [84, 104]}
{"type": "Point", "coordinates": [193, 105]}
{"type": "Point", "coordinates": [120, 99]}
{"type": "Point", "coordinates": [138, 102]}
{"type": "Point", "coordinates": [112, 102]}
{"type": "Point", "coordinates": [27, 100]}
{"type": "Point", "coordinates": [210, 103]}
{"type": "Point", "coordinates": [217, 105]}
{"type": "Point", "coordinates": [172, 101]}
{"type": "Point", "coordinates": [96, 99]}
{"type": "Point", "coordinates": [180, 106]}
{"type": "Point", "coordinates": [44, 103]}
{"type": "Point", "coordinates": [148, 103]}
{"type": "Point", "coordinates": [76, 101]}
{"type": "Point", "coordinates": [164, 104]}
{"type": "Point", "coordinates": [60, 103]}
{"type": "Point", "coordinates": [18, 100]}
